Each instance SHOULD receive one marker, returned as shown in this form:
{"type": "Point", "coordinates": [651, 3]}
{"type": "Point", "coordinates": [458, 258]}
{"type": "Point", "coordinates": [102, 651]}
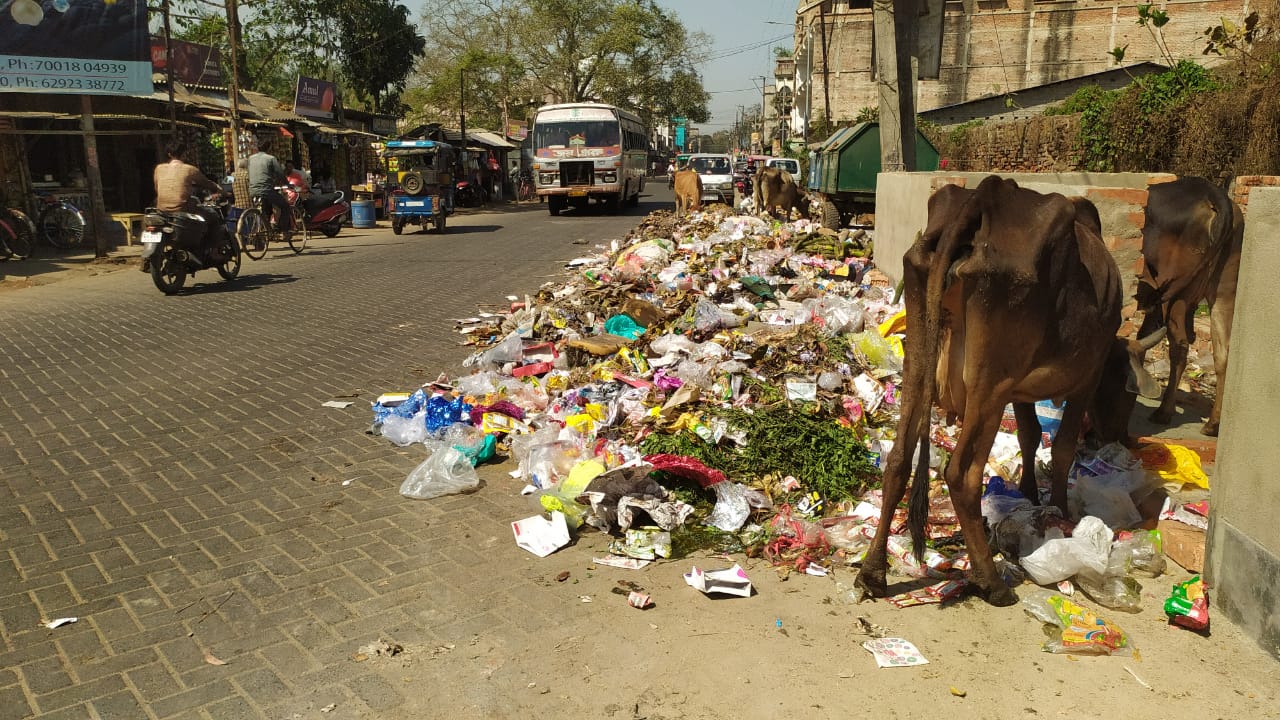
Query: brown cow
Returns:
{"type": "Point", "coordinates": [777, 188]}
{"type": "Point", "coordinates": [1011, 297]}
{"type": "Point", "coordinates": [688, 187]}
{"type": "Point", "coordinates": [1191, 246]}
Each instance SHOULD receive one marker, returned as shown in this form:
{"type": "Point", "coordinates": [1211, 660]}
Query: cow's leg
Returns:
{"type": "Point", "coordinates": [1221, 312]}
{"type": "Point", "coordinates": [897, 471]}
{"type": "Point", "coordinates": [1064, 447]}
{"type": "Point", "coordinates": [964, 479]}
{"type": "Point", "coordinates": [1178, 318]}
{"type": "Point", "coordinates": [1029, 441]}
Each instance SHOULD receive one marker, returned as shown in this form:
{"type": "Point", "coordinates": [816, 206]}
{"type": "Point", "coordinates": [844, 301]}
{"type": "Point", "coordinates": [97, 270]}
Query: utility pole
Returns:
{"type": "Point", "coordinates": [762, 113]}
{"type": "Point", "coordinates": [233, 97]}
{"type": "Point", "coordinates": [826, 84]}
{"type": "Point", "coordinates": [168, 69]}
{"type": "Point", "coordinates": [895, 33]}
{"type": "Point", "coordinates": [462, 120]}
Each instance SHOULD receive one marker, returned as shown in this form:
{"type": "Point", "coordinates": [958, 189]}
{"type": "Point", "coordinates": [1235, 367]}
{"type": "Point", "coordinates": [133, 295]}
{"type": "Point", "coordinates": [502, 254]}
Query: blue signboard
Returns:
{"type": "Point", "coordinates": [680, 137]}
{"type": "Point", "coordinates": [88, 47]}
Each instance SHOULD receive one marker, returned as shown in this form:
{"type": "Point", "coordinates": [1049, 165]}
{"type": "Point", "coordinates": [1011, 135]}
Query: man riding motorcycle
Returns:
{"type": "Point", "coordinates": [176, 185]}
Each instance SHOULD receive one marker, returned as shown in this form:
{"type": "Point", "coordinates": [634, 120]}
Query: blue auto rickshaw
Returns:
{"type": "Point", "coordinates": [419, 182]}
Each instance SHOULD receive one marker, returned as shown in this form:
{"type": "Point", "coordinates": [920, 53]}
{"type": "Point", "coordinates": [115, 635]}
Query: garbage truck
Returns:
{"type": "Point", "coordinates": [843, 170]}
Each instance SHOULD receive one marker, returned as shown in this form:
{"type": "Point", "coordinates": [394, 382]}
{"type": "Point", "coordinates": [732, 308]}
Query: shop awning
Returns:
{"type": "Point", "coordinates": [493, 140]}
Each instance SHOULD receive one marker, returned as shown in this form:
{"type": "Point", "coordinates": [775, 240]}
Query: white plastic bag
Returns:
{"type": "Point", "coordinates": [405, 431]}
{"type": "Point", "coordinates": [446, 472]}
{"type": "Point", "coordinates": [1058, 559]}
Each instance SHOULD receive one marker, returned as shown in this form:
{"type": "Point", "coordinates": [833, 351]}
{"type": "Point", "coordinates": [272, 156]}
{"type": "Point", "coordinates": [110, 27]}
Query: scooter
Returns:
{"type": "Point", "coordinates": [468, 194]}
{"type": "Point", "coordinates": [173, 246]}
{"type": "Point", "coordinates": [324, 212]}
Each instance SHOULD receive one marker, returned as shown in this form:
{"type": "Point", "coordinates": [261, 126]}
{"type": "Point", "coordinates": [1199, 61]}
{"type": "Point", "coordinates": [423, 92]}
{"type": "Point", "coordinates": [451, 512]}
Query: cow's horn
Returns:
{"type": "Point", "coordinates": [1150, 341]}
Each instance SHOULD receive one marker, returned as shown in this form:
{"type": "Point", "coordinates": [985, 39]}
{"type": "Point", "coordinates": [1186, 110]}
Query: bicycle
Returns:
{"type": "Point", "coordinates": [256, 234]}
{"type": "Point", "coordinates": [60, 223]}
{"type": "Point", "coordinates": [525, 190]}
{"type": "Point", "coordinates": [17, 234]}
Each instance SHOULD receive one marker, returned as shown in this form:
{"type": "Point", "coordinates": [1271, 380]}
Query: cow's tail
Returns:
{"type": "Point", "coordinates": [952, 245]}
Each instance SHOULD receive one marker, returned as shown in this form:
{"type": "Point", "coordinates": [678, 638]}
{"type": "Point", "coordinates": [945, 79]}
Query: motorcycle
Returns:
{"type": "Point", "coordinates": [322, 212]}
{"type": "Point", "coordinates": [469, 194]}
{"type": "Point", "coordinates": [173, 246]}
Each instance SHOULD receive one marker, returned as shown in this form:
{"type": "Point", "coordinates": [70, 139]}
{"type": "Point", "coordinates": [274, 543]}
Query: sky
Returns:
{"type": "Point", "coordinates": [742, 42]}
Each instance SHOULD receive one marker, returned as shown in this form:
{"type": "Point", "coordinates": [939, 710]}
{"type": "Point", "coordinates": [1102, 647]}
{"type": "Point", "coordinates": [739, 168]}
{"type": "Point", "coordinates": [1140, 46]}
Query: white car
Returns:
{"type": "Point", "coordinates": [717, 176]}
{"type": "Point", "coordinates": [788, 164]}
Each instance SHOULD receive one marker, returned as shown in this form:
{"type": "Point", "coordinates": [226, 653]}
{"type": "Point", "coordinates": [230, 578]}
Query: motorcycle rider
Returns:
{"type": "Point", "coordinates": [265, 174]}
{"type": "Point", "coordinates": [176, 185]}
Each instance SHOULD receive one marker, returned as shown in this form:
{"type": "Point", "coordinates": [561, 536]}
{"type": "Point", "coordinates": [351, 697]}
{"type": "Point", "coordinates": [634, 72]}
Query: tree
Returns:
{"type": "Point", "coordinates": [630, 53]}
{"type": "Point", "coordinates": [356, 43]}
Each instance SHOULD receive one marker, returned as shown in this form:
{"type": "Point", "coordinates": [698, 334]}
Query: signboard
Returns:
{"type": "Point", "coordinates": [314, 98]}
{"type": "Point", "coordinates": [86, 47]}
{"type": "Point", "coordinates": [193, 64]}
{"type": "Point", "coordinates": [517, 129]}
{"type": "Point", "coordinates": [576, 113]}
{"type": "Point", "coordinates": [680, 137]}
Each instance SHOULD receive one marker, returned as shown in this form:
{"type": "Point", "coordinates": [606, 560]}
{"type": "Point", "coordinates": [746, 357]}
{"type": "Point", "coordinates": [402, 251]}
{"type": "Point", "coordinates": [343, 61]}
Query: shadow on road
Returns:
{"type": "Point", "coordinates": [243, 282]}
{"type": "Point", "coordinates": [326, 251]}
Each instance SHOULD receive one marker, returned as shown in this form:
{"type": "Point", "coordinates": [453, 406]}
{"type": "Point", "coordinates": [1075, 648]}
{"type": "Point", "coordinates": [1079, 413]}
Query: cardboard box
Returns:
{"type": "Point", "coordinates": [1183, 544]}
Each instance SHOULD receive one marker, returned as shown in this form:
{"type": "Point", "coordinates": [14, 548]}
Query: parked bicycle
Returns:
{"type": "Point", "coordinates": [17, 234]}
{"type": "Point", "coordinates": [60, 223]}
{"type": "Point", "coordinates": [256, 234]}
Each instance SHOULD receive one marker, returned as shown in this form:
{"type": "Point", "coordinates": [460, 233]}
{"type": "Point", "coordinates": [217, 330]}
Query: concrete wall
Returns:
{"type": "Point", "coordinates": [902, 209]}
{"type": "Point", "coordinates": [1243, 563]}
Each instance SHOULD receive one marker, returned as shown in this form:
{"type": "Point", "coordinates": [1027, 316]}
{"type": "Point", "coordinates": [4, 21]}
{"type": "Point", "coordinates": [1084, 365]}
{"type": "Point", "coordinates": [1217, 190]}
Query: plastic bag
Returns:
{"type": "Point", "coordinates": [878, 351]}
{"type": "Point", "coordinates": [1079, 630]}
{"type": "Point", "coordinates": [405, 431]}
{"type": "Point", "coordinates": [446, 472]}
{"type": "Point", "coordinates": [509, 350]}
{"type": "Point", "coordinates": [1176, 465]}
{"type": "Point", "coordinates": [1143, 550]}
{"type": "Point", "coordinates": [1112, 588]}
{"type": "Point", "coordinates": [708, 318]}
{"type": "Point", "coordinates": [731, 510]}
{"type": "Point", "coordinates": [1188, 604]}
{"type": "Point", "coordinates": [1107, 498]}
{"type": "Point", "coordinates": [839, 316]}
{"type": "Point", "coordinates": [1060, 558]}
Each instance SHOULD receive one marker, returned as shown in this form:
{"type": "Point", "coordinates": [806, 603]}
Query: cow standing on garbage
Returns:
{"type": "Point", "coordinates": [1011, 296]}
{"type": "Point", "coordinates": [776, 188]}
{"type": "Point", "coordinates": [1191, 244]}
{"type": "Point", "coordinates": [688, 185]}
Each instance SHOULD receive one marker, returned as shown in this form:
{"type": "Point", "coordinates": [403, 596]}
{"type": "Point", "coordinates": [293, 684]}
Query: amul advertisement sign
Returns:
{"type": "Point", "coordinates": [314, 98]}
{"type": "Point", "coordinates": [85, 47]}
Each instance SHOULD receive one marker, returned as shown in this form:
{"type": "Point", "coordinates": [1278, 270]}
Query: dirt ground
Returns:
{"type": "Point", "coordinates": [794, 650]}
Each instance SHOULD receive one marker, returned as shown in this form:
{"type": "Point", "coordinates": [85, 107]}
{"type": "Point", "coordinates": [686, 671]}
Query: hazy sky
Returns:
{"type": "Point", "coordinates": [742, 47]}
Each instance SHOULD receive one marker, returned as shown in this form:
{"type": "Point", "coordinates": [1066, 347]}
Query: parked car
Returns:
{"type": "Point", "coordinates": [788, 164]}
{"type": "Point", "coordinates": [717, 176]}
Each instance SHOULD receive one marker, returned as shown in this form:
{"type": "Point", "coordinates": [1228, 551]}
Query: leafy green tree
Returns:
{"type": "Point", "coordinates": [523, 53]}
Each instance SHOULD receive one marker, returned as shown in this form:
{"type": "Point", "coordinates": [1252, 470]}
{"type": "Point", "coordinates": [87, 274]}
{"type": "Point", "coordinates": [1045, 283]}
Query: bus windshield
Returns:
{"type": "Point", "coordinates": [576, 133]}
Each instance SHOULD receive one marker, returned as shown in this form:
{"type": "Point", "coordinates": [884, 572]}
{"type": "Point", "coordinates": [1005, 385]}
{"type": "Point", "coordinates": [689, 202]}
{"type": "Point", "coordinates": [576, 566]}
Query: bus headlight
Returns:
{"type": "Point", "coordinates": [609, 177]}
{"type": "Point", "coordinates": [726, 186]}
{"type": "Point", "coordinates": [547, 179]}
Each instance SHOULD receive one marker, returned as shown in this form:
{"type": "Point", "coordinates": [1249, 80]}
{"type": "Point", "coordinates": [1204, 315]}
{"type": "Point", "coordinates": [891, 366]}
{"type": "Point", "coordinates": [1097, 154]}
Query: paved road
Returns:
{"type": "Point", "coordinates": [170, 478]}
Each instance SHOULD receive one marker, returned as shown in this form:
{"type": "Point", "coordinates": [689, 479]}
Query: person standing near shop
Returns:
{"type": "Point", "coordinates": [265, 175]}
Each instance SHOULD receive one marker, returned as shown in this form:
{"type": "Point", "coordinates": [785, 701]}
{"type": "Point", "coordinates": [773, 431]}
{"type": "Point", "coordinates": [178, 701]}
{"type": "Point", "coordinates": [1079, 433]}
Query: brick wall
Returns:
{"type": "Point", "coordinates": [1036, 144]}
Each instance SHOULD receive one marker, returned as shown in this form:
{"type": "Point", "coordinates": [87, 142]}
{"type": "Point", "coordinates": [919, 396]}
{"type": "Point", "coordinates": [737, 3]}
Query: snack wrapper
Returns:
{"type": "Point", "coordinates": [1188, 604]}
{"type": "Point", "coordinates": [1081, 631]}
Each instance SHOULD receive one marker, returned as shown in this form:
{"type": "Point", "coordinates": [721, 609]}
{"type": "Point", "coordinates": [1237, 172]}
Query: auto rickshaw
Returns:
{"type": "Point", "coordinates": [419, 182]}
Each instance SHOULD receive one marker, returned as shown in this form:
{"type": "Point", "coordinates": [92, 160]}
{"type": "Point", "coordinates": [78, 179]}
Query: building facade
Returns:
{"type": "Point", "coordinates": [990, 48]}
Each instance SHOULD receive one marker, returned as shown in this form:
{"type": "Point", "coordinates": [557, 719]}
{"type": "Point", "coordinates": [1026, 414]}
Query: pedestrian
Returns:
{"type": "Point", "coordinates": [671, 174]}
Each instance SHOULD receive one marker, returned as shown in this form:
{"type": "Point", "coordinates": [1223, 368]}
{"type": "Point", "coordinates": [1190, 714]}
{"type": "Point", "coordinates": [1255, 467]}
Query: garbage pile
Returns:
{"type": "Point", "coordinates": [722, 381]}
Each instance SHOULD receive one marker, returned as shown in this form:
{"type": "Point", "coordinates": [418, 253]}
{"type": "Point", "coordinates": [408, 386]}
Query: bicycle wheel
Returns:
{"type": "Point", "coordinates": [62, 225]}
{"type": "Point", "coordinates": [23, 240]}
{"type": "Point", "coordinates": [253, 233]}
{"type": "Point", "coordinates": [298, 239]}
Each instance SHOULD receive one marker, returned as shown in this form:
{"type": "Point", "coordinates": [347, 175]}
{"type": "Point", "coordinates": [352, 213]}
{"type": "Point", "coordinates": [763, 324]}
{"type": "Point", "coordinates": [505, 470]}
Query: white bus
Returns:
{"type": "Point", "coordinates": [588, 150]}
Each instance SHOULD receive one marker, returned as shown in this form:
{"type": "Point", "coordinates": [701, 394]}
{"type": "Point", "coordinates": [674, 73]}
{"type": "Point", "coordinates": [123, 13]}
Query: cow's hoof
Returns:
{"type": "Point", "coordinates": [1161, 417]}
{"type": "Point", "coordinates": [999, 595]}
{"type": "Point", "coordinates": [1210, 429]}
{"type": "Point", "coordinates": [872, 584]}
